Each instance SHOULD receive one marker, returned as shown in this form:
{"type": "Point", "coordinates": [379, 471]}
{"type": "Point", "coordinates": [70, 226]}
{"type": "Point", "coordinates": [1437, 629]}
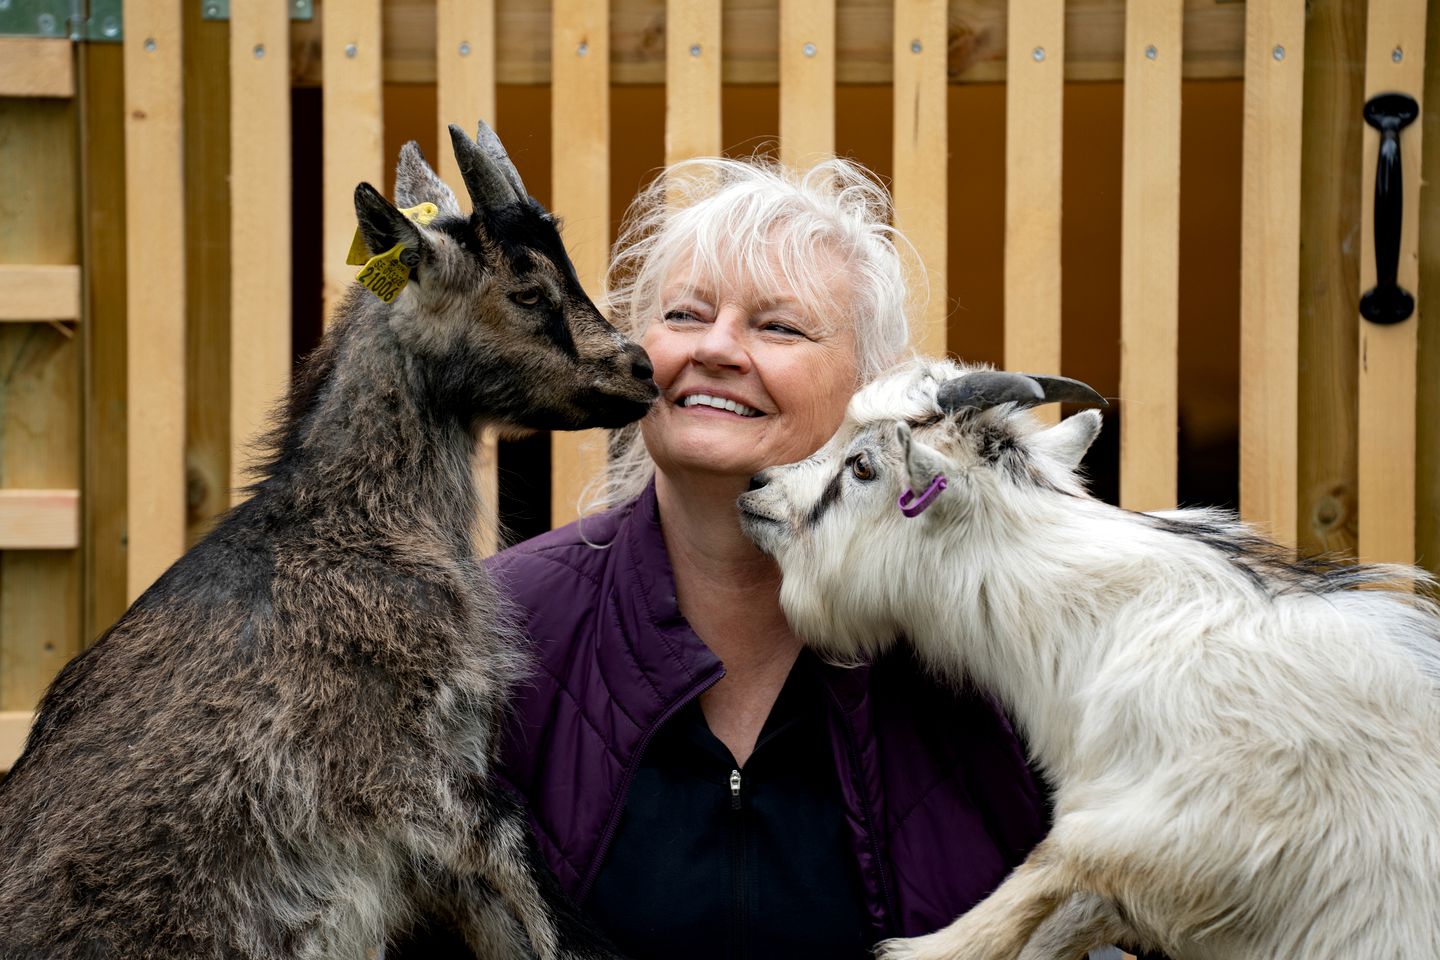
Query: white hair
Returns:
{"type": "Point", "coordinates": [1245, 746]}
{"type": "Point", "coordinates": [719, 219]}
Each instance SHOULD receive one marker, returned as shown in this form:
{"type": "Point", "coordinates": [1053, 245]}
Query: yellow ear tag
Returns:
{"type": "Point", "coordinates": [384, 275]}
{"type": "Point", "coordinates": [421, 213]}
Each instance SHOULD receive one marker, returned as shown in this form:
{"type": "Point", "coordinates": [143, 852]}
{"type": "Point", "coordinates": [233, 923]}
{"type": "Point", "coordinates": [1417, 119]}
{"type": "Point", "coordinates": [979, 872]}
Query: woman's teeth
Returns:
{"type": "Point", "coordinates": [719, 403]}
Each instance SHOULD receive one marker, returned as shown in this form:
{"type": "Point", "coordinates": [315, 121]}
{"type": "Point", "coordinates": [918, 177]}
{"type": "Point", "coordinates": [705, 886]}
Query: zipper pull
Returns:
{"type": "Point", "coordinates": [734, 789]}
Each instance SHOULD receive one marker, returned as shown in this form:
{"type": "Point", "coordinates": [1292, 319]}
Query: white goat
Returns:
{"type": "Point", "coordinates": [1245, 747]}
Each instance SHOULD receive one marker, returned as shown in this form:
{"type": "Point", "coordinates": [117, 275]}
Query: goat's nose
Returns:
{"type": "Point", "coordinates": [640, 364]}
{"type": "Point", "coordinates": [760, 479]}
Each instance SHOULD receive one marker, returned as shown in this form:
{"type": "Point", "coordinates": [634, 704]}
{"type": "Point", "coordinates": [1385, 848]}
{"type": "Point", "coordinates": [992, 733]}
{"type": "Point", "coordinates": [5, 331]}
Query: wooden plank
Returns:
{"type": "Point", "coordinates": [580, 188]}
{"type": "Point", "coordinates": [1214, 37]}
{"type": "Point", "coordinates": [1270, 267]}
{"type": "Point", "coordinates": [39, 519]}
{"type": "Point", "coordinates": [155, 300]}
{"type": "Point", "coordinates": [353, 127]}
{"type": "Point", "coordinates": [1149, 255]}
{"type": "Point", "coordinates": [39, 394]}
{"type": "Point", "coordinates": [921, 159]}
{"type": "Point", "coordinates": [465, 93]}
{"type": "Point", "coordinates": [103, 497]}
{"type": "Point", "coordinates": [36, 67]}
{"type": "Point", "coordinates": [1034, 128]}
{"type": "Point", "coordinates": [693, 54]}
{"type": "Point", "coordinates": [1427, 453]}
{"type": "Point", "coordinates": [1330, 273]}
{"type": "Point", "coordinates": [1394, 61]}
{"type": "Point", "coordinates": [14, 728]}
{"type": "Point", "coordinates": [259, 225]}
{"type": "Point", "coordinates": [39, 292]}
{"type": "Point", "coordinates": [807, 81]}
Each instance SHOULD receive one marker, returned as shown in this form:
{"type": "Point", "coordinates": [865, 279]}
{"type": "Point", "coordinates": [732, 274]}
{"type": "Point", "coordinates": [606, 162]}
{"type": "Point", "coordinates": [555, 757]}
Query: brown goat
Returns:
{"type": "Point", "coordinates": [282, 749]}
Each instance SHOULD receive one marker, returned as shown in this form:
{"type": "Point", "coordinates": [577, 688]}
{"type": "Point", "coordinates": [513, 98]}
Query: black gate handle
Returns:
{"type": "Point", "coordinates": [1387, 303]}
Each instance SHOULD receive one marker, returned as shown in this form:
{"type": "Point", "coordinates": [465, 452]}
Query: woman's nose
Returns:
{"type": "Point", "coordinates": [722, 344]}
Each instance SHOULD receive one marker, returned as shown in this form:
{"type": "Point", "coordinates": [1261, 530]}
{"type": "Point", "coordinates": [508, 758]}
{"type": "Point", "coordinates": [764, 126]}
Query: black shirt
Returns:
{"type": "Point", "coordinates": [711, 862]}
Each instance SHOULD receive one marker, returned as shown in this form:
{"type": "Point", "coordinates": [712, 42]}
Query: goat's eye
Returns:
{"type": "Point", "coordinates": [526, 298]}
{"type": "Point", "coordinates": [860, 467]}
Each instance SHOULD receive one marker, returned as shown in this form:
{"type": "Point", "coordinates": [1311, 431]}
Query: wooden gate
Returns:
{"type": "Point", "coordinates": [151, 193]}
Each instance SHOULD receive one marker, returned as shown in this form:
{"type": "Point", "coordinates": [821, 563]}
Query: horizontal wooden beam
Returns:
{"type": "Point", "coordinates": [35, 67]}
{"type": "Point", "coordinates": [39, 292]}
{"type": "Point", "coordinates": [39, 519]}
{"type": "Point", "coordinates": [14, 728]}
{"type": "Point", "coordinates": [1214, 41]}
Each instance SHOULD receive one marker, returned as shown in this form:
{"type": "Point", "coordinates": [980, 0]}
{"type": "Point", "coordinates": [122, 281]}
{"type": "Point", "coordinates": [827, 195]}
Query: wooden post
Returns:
{"type": "Point", "coordinates": [39, 407]}
{"type": "Point", "coordinates": [465, 93]}
{"type": "Point", "coordinates": [1394, 61]}
{"type": "Point", "coordinates": [1150, 255]}
{"type": "Point", "coordinates": [353, 127]}
{"type": "Point", "coordinates": [807, 81]}
{"type": "Point", "coordinates": [1270, 266]}
{"type": "Point", "coordinates": [692, 79]}
{"type": "Point", "coordinates": [259, 224]}
{"type": "Point", "coordinates": [155, 294]}
{"type": "Point", "coordinates": [922, 157]}
{"type": "Point", "coordinates": [1034, 124]}
{"type": "Point", "coordinates": [580, 191]}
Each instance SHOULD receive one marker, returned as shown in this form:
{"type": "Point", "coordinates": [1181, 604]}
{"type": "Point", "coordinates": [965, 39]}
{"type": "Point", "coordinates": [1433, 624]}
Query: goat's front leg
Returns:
{"type": "Point", "coordinates": [1085, 922]}
{"type": "Point", "coordinates": [511, 867]}
{"type": "Point", "coordinates": [999, 926]}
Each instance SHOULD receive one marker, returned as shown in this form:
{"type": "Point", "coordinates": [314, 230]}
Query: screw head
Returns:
{"type": "Point", "coordinates": [809, 49]}
{"type": "Point", "coordinates": [1151, 53]}
{"type": "Point", "coordinates": [694, 49]}
{"type": "Point", "coordinates": [1397, 55]}
{"type": "Point", "coordinates": [46, 22]}
{"type": "Point", "coordinates": [915, 46]}
{"type": "Point", "coordinates": [4, 4]}
{"type": "Point", "coordinates": [583, 49]}
{"type": "Point", "coordinates": [1038, 54]}
{"type": "Point", "coordinates": [110, 27]}
{"type": "Point", "coordinates": [464, 48]}
{"type": "Point", "coordinates": [259, 51]}
{"type": "Point", "coordinates": [149, 44]}
{"type": "Point", "coordinates": [351, 50]}
{"type": "Point", "coordinates": [1278, 53]}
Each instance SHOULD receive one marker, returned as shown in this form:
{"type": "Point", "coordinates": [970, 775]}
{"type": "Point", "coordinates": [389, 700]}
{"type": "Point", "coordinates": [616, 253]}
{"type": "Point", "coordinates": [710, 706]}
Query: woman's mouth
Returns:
{"type": "Point", "coordinates": [719, 403]}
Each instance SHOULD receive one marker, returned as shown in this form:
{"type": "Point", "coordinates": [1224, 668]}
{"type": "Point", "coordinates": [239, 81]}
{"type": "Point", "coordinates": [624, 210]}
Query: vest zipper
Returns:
{"type": "Point", "coordinates": [739, 947]}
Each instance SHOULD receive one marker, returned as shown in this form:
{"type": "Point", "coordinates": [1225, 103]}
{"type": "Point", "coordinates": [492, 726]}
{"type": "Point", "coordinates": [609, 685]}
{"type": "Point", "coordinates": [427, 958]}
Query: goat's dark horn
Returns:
{"type": "Point", "coordinates": [487, 185]}
{"type": "Point", "coordinates": [491, 146]}
{"type": "Point", "coordinates": [990, 388]}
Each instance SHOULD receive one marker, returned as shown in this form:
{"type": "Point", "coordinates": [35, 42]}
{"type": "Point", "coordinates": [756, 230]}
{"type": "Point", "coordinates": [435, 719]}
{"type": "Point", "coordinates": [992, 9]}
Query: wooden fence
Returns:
{"type": "Point", "coordinates": [138, 362]}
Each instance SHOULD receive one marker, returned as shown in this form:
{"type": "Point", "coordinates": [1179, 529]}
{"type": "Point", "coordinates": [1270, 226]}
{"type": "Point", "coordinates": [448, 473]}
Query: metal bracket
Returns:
{"type": "Point", "coordinates": [64, 19]}
{"type": "Point", "coordinates": [220, 9]}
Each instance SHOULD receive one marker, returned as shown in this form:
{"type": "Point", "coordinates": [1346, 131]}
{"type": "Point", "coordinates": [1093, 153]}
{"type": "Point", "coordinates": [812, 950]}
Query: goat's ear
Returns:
{"type": "Point", "coordinates": [417, 183]}
{"type": "Point", "coordinates": [922, 463]}
{"type": "Point", "coordinates": [382, 226]}
{"type": "Point", "coordinates": [1068, 440]}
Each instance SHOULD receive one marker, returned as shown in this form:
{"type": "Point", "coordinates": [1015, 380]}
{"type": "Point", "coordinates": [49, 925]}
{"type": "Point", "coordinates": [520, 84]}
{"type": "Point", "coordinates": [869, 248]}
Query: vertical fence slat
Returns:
{"type": "Point", "coordinates": [580, 191]}
{"type": "Point", "coordinates": [1427, 453]}
{"type": "Point", "coordinates": [155, 294]}
{"type": "Point", "coordinates": [922, 156]}
{"type": "Point", "coordinates": [1388, 352]}
{"type": "Point", "coordinates": [1034, 126]}
{"type": "Point", "coordinates": [1149, 255]}
{"type": "Point", "coordinates": [1270, 266]}
{"type": "Point", "coordinates": [692, 79]}
{"type": "Point", "coordinates": [807, 81]}
{"type": "Point", "coordinates": [259, 223]}
{"type": "Point", "coordinates": [465, 93]}
{"type": "Point", "coordinates": [353, 127]}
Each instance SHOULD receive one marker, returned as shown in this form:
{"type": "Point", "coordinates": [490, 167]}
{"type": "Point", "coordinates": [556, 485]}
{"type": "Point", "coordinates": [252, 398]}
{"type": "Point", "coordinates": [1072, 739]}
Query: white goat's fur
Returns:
{"type": "Point", "coordinates": [1245, 749]}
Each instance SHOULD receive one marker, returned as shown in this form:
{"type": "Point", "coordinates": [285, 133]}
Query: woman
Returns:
{"type": "Point", "coordinates": [701, 786]}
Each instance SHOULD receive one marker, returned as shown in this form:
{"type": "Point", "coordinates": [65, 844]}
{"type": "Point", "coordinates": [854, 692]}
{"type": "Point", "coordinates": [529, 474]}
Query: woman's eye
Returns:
{"type": "Point", "coordinates": [783, 328]}
{"type": "Point", "coordinates": [860, 467]}
{"type": "Point", "coordinates": [680, 316]}
{"type": "Point", "coordinates": [526, 298]}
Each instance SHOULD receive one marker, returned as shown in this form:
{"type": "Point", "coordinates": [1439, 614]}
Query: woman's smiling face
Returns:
{"type": "Point", "coordinates": [748, 377]}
